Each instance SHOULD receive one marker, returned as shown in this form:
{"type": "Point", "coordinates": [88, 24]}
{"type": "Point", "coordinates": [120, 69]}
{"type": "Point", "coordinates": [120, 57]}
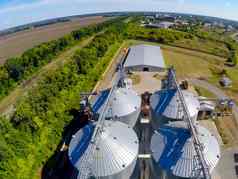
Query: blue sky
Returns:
{"type": "Point", "coordinates": [18, 12]}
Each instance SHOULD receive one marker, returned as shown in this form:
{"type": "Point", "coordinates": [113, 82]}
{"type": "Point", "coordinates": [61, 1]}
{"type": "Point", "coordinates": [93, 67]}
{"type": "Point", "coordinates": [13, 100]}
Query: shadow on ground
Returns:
{"type": "Point", "coordinates": [58, 165]}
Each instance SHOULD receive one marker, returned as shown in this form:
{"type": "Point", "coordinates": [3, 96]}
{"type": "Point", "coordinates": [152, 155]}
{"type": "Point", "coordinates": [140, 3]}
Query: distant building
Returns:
{"type": "Point", "coordinates": [150, 17]}
{"type": "Point", "coordinates": [181, 22]}
{"type": "Point", "coordinates": [144, 58]}
{"type": "Point", "coordinates": [161, 25]}
{"type": "Point", "coordinates": [207, 25]}
{"type": "Point", "coordinates": [229, 28]}
{"type": "Point", "coordinates": [166, 18]}
{"type": "Point", "coordinates": [218, 24]}
{"type": "Point", "coordinates": [157, 15]}
{"type": "Point", "coordinates": [165, 24]}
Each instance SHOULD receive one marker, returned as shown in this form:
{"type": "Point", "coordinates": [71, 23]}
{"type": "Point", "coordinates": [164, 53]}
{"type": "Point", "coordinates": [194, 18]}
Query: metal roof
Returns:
{"type": "Point", "coordinates": [173, 149]}
{"type": "Point", "coordinates": [124, 102]}
{"type": "Point", "coordinates": [147, 55]}
{"type": "Point", "coordinates": [206, 104]}
{"type": "Point", "coordinates": [115, 155]}
{"type": "Point", "coordinates": [167, 103]}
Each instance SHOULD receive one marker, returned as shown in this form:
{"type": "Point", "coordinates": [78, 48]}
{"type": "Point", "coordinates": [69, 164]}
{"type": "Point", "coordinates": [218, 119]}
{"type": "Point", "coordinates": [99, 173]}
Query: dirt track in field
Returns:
{"type": "Point", "coordinates": [7, 103]}
{"type": "Point", "coordinates": [16, 44]}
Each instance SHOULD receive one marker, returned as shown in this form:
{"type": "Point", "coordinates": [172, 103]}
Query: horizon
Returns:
{"type": "Point", "coordinates": [102, 13]}
{"type": "Point", "coordinates": [15, 13]}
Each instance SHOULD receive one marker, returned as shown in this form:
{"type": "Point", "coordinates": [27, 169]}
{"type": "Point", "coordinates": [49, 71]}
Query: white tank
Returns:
{"type": "Point", "coordinates": [173, 150]}
{"type": "Point", "coordinates": [124, 106]}
{"type": "Point", "coordinates": [166, 104]}
{"type": "Point", "coordinates": [115, 155]}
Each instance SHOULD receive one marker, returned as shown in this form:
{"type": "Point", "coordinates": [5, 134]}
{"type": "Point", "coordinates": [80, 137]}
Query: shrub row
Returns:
{"type": "Point", "coordinates": [16, 69]}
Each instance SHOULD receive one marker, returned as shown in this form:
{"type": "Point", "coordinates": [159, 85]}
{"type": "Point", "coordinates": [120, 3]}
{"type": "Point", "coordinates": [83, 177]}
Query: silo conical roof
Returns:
{"type": "Point", "coordinates": [168, 104]}
{"type": "Point", "coordinates": [173, 149]}
{"type": "Point", "coordinates": [124, 105]}
{"type": "Point", "coordinates": [114, 155]}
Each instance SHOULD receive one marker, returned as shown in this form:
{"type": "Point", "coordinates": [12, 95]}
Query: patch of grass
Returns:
{"type": "Point", "coordinates": [135, 78]}
{"type": "Point", "coordinates": [204, 92]}
{"type": "Point", "coordinates": [207, 46]}
{"type": "Point", "coordinates": [187, 65]}
{"type": "Point", "coordinates": [222, 132]}
{"type": "Point", "coordinates": [158, 76]}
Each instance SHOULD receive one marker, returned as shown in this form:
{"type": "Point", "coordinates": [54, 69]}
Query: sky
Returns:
{"type": "Point", "coordinates": [19, 12]}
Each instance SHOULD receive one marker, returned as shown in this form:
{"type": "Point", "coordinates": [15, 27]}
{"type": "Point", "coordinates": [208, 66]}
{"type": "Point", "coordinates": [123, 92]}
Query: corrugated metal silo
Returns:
{"type": "Point", "coordinates": [166, 104]}
{"type": "Point", "coordinates": [124, 106]}
{"type": "Point", "coordinates": [115, 154]}
{"type": "Point", "coordinates": [173, 150]}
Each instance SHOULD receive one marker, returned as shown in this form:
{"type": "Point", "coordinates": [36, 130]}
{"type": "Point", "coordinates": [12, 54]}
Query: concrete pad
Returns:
{"type": "Point", "coordinates": [226, 166]}
{"type": "Point", "coordinates": [147, 82]}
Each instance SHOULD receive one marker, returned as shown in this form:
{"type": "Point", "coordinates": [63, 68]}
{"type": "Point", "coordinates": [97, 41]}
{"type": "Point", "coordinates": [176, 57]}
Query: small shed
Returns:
{"type": "Point", "coordinates": [225, 81]}
{"type": "Point", "coordinates": [144, 58]}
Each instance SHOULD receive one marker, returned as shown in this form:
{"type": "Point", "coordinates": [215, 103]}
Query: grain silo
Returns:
{"type": "Point", "coordinates": [173, 150]}
{"type": "Point", "coordinates": [112, 156]}
{"type": "Point", "coordinates": [166, 104]}
{"type": "Point", "coordinates": [124, 105]}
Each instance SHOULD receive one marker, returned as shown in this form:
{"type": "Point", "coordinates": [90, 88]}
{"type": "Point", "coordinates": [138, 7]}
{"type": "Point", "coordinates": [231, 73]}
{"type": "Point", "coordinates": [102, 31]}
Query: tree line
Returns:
{"type": "Point", "coordinates": [17, 69]}
{"type": "Point", "coordinates": [165, 36]}
{"type": "Point", "coordinates": [30, 137]}
{"type": "Point", "coordinates": [230, 43]}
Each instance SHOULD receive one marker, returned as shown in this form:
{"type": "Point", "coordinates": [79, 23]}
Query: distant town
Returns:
{"type": "Point", "coordinates": [153, 19]}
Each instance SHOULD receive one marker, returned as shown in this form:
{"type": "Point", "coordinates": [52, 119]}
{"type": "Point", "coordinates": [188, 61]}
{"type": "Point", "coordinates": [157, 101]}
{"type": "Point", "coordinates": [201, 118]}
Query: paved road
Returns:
{"type": "Point", "coordinates": [204, 84]}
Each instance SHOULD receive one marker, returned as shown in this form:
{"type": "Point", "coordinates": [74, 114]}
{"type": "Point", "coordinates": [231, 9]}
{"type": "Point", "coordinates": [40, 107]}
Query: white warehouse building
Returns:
{"type": "Point", "coordinates": [144, 58]}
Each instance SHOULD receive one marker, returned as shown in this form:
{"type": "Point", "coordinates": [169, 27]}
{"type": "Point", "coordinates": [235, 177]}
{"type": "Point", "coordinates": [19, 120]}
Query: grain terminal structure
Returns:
{"type": "Point", "coordinates": [144, 58]}
{"type": "Point", "coordinates": [107, 147]}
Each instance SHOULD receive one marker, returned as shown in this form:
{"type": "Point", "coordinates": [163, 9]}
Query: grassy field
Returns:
{"type": "Point", "coordinates": [232, 73]}
{"type": "Point", "coordinates": [17, 43]}
{"type": "Point", "coordinates": [190, 65]}
{"type": "Point", "coordinates": [227, 128]}
{"type": "Point", "coordinates": [186, 65]}
{"type": "Point", "coordinates": [217, 48]}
